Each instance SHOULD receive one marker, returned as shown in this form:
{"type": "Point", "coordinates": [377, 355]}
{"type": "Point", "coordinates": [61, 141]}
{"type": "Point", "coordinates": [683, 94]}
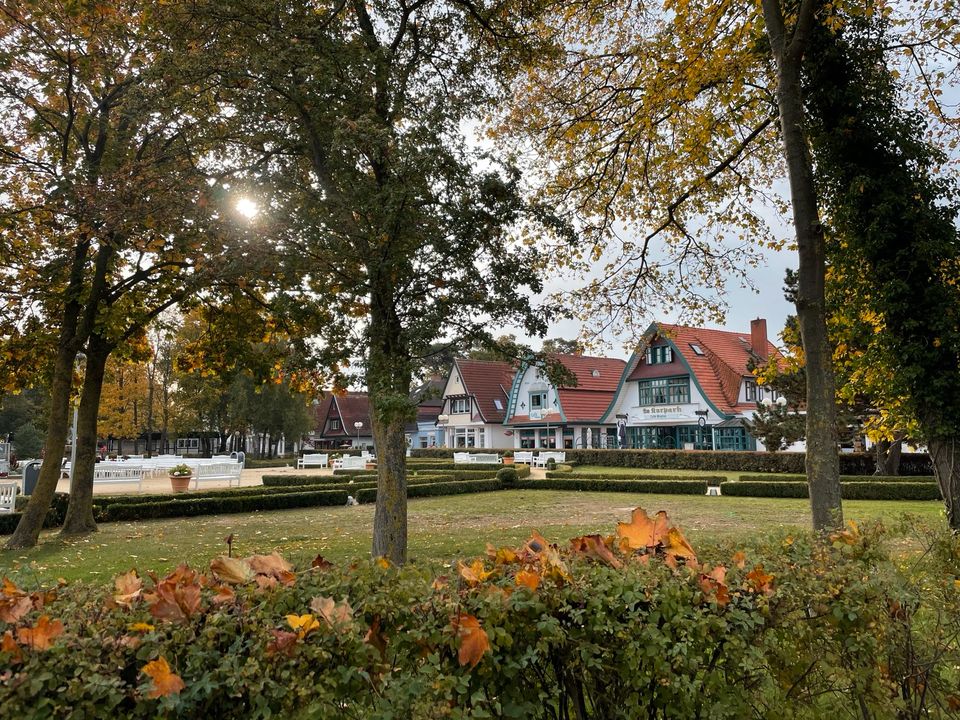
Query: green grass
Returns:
{"type": "Point", "coordinates": [441, 529]}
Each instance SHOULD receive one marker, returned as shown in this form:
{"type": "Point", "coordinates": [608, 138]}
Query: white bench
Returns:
{"type": "Point", "coordinates": [541, 459]}
{"type": "Point", "coordinates": [312, 460]}
{"type": "Point", "coordinates": [461, 457]}
{"type": "Point", "coordinates": [111, 473]}
{"type": "Point", "coordinates": [350, 463]}
{"type": "Point", "coordinates": [8, 496]}
{"type": "Point", "coordinates": [523, 457]}
{"type": "Point", "coordinates": [228, 471]}
{"type": "Point", "coordinates": [469, 458]}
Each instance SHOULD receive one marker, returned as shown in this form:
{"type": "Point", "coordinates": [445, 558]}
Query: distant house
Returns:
{"type": "Point", "coordinates": [423, 432]}
{"type": "Point", "coordinates": [542, 415]}
{"type": "Point", "coordinates": [336, 421]}
{"type": "Point", "coordinates": [475, 404]}
{"type": "Point", "coordinates": [690, 388]}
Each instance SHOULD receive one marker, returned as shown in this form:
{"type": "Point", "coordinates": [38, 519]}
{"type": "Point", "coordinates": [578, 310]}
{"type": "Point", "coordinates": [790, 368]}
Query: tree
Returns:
{"type": "Point", "coordinates": [394, 224]}
{"type": "Point", "coordinates": [105, 209]}
{"type": "Point", "coordinates": [897, 245]}
{"type": "Point", "coordinates": [562, 346]}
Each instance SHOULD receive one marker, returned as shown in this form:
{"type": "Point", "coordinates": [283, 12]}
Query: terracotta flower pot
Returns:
{"type": "Point", "coordinates": [180, 483]}
{"type": "Point", "coordinates": [370, 466]}
{"type": "Point", "coordinates": [507, 460]}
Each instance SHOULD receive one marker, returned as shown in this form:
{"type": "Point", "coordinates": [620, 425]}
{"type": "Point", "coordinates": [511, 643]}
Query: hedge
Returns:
{"type": "Point", "coordinates": [189, 507]}
{"type": "Point", "coordinates": [307, 480]}
{"type": "Point", "coordinates": [664, 487]}
{"type": "Point", "coordinates": [414, 464]}
{"type": "Point", "coordinates": [785, 477]}
{"type": "Point", "coordinates": [868, 490]}
{"type": "Point", "coordinates": [601, 475]}
{"type": "Point", "coordinates": [435, 489]}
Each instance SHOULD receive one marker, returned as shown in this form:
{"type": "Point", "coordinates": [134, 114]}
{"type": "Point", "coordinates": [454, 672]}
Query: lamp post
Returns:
{"type": "Point", "coordinates": [79, 360]}
{"type": "Point", "coordinates": [358, 425]}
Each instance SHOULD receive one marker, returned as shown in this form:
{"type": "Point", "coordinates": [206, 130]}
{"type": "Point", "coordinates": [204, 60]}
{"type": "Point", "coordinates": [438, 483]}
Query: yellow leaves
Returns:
{"type": "Point", "coordinates": [528, 579]}
{"type": "Point", "coordinates": [140, 627]}
{"type": "Point", "coordinates": [654, 534]}
{"type": "Point", "coordinates": [165, 681]}
{"type": "Point", "coordinates": [474, 574]}
{"type": "Point", "coordinates": [760, 581]}
{"type": "Point", "coordinates": [473, 639]}
{"type": "Point", "coordinates": [303, 625]}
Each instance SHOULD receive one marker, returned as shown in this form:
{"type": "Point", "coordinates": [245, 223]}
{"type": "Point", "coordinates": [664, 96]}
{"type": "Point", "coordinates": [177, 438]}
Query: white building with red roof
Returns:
{"type": "Point", "coordinates": [543, 415]}
{"type": "Point", "coordinates": [691, 388]}
{"type": "Point", "coordinates": [475, 404]}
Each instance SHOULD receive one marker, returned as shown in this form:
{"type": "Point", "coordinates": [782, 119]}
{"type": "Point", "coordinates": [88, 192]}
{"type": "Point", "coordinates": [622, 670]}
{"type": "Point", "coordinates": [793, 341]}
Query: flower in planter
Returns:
{"type": "Point", "coordinates": [181, 470]}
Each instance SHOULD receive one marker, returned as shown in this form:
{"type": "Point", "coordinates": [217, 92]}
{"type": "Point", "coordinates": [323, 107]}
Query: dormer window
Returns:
{"type": "Point", "coordinates": [659, 355]}
{"type": "Point", "coordinates": [595, 373]}
{"type": "Point", "coordinates": [334, 424]}
{"type": "Point", "coordinates": [750, 387]}
{"type": "Point", "coordinates": [538, 401]}
{"type": "Point", "coordinates": [459, 405]}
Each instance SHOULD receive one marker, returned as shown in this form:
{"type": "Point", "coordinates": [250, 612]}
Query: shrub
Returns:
{"type": "Point", "coordinates": [437, 488]}
{"type": "Point", "coordinates": [601, 475]}
{"type": "Point", "coordinates": [189, 507]}
{"type": "Point", "coordinates": [867, 490]}
{"type": "Point", "coordinates": [665, 487]}
{"type": "Point", "coordinates": [790, 477]}
{"type": "Point", "coordinates": [551, 463]}
{"type": "Point", "coordinates": [54, 517]}
{"type": "Point", "coordinates": [507, 476]}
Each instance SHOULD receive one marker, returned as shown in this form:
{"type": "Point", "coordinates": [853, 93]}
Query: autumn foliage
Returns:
{"type": "Point", "coordinates": [610, 624]}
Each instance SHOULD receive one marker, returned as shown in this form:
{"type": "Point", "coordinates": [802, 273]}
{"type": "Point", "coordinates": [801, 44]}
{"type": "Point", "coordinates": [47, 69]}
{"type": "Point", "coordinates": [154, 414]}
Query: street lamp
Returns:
{"type": "Point", "coordinates": [358, 425]}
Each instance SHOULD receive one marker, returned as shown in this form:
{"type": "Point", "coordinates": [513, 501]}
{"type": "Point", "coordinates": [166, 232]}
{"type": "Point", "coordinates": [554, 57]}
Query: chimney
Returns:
{"type": "Point", "coordinates": [758, 338]}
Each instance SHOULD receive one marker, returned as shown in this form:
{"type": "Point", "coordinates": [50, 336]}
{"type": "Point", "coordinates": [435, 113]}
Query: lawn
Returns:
{"type": "Point", "coordinates": [441, 529]}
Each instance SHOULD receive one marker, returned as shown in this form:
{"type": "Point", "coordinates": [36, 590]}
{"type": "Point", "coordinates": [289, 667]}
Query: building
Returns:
{"type": "Point", "coordinates": [336, 421]}
{"type": "Point", "coordinates": [690, 388]}
{"type": "Point", "coordinates": [423, 432]}
{"type": "Point", "coordinates": [475, 404]}
{"type": "Point", "coordinates": [542, 415]}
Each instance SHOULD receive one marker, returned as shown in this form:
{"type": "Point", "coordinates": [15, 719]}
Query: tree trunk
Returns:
{"type": "Point", "coordinates": [945, 456]}
{"type": "Point", "coordinates": [888, 456]}
{"type": "Point", "coordinates": [822, 459]}
{"type": "Point", "coordinates": [79, 519]}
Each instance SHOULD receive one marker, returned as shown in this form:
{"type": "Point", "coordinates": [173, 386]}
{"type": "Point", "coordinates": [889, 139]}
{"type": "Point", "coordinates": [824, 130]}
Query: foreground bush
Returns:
{"type": "Point", "coordinates": [866, 490]}
{"type": "Point", "coordinates": [626, 626]}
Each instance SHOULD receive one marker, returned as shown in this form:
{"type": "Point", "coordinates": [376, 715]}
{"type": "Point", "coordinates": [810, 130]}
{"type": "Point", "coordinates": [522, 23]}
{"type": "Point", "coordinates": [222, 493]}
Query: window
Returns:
{"type": "Point", "coordinates": [334, 423]}
{"type": "Point", "coordinates": [595, 373]}
{"type": "Point", "coordinates": [468, 437]}
{"type": "Point", "coordinates": [659, 355]}
{"type": "Point", "coordinates": [696, 348]}
{"type": "Point", "coordinates": [528, 439]}
{"type": "Point", "coordinates": [459, 405]}
{"type": "Point", "coordinates": [538, 401]}
{"type": "Point", "coordinates": [665, 391]}
{"type": "Point", "coordinates": [751, 389]}
{"type": "Point", "coordinates": [497, 404]}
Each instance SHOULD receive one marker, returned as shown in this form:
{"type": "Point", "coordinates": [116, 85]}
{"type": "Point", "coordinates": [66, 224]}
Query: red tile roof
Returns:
{"type": "Point", "coordinates": [597, 380]}
{"type": "Point", "coordinates": [486, 381]}
{"type": "Point", "coordinates": [355, 407]}
{"type": "Point", "coordinates": [718, 371]}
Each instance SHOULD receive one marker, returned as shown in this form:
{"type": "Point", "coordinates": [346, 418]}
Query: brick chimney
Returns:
{"type": "Point", "coordinates": [758, 338]}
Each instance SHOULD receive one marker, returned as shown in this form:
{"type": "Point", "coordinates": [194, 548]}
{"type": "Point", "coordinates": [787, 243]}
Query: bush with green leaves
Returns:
{"type": "Point", "coordinates": [507, 476]}
{"type": "Point", "coordinates": [633, 625]}
{"type": "Point", "coordinates": [671, 486]}
{"type": "Point", "coordinates": [867, 490]}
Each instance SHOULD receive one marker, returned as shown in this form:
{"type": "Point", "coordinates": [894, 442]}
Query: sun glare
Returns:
{"type": "Point", "coordinates": [247, 207]}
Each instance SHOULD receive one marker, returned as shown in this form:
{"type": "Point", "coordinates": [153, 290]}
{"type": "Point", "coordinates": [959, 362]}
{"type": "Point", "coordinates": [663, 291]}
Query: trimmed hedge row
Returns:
{"type": "Point", "coordinates": [215, 506]}
{"type": "Point", "coordinates": [600, 475]}
{"type": "Point", "coordinates": [436, 489]}
{"type": "Point", "coordinates": [790, 477]}
{"type": "Point", "coordinates": [322, 480]}
{"type": "Point", "coordinates": [848, 490]}
{"type": "Point", "coordinates": [414, 464]}
{"type": "Point", "coordinates": [664, 487]}
{"type": "Point", "coordinates": [850, 463]}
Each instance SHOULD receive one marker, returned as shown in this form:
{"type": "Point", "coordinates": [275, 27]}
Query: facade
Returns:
{"type": "Point", "coordinates": [690, 388]}
{"type": "Point", "coordinates": [475, 405]}
{"type": "Point", "coordinates": [336, 418]}
{"type": "Point", "coordinates": [542, 415]}
{"type": "Point", "coordinates": [424, 433]}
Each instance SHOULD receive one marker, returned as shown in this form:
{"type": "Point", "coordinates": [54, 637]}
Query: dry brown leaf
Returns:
{"type": "Point", "coordinates": [165, 682]}
{"type": "Point", "coordinates": [643, 532]}
{"type": "Point", "coordinates": [760, 581]}
{"type": "Point", "coordinates": [336, 614]}
{"type": "Point", "coordinates": [528, 579]}
{"type": "Point", "coordinates": [473, 639]}
{"type": "Point", "coordinates": [593, 546]}
{"type": "Point", "coordinates": [376, 637]}
{"type": "Point", "coordinates": [676, 544]}
{"type": "Point", "coordinates": [283, 642]}
{"type": "Point", "coordinates": [9, 645]}
{"type": "Point", "coordinates": [272, 565]}
{"type": "Point", "coordinates": [474, 574]}
{"type": "Point", "coordinates": [740, 559]}
{"type": "Point", "coordinates": [231, 570]}
{"type": "Point", "coordinates": [320, 563]}
{"type": "Point", "coordinates": [128, 588]}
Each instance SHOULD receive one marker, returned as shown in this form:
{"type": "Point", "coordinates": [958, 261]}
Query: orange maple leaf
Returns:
{"type": "Point", "coordinates": [740, 559]}
{"type": "Point", "coordinates": [14, 603]}
{"type": "Point", "coordinates": [528, 579]}
{"type": "Point", "coordinates": [128, 589]}
{"type": "Point", "coordinates": [676, 545]}
{"type": "Point", "coordinates": [41, 635]}
{"type": "Point", "coordinates": [9, 645]}
{"type": "Point", "coordinates": [760, 580]}
{"type": "Point", "coordinates": [165, 682]}
{"type": "Point", "coordinates": [473, 639]}
{"type": "Point", "coordinates": [501, 556]}
{"type": "Point", "coordinates": [643, 532]}
{"type": "Point", "coordinates": [223, 594]}
{"type": "Point", "coordinates": [594, 546]}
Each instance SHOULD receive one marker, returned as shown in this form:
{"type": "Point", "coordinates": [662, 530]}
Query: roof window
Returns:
{"type": "Point", "coordinates": [696, 349]}
{"type": "Point", "coordinates": [595, 373]}
{"type": "Point", "coordinates": [497, 404]}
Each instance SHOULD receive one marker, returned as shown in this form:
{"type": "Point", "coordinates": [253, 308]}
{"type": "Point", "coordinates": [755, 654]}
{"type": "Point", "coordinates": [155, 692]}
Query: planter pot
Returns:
{"type": "Point", "coordinates": [180, 483]}
{"type": "Point", "coordinates": [508, 461]}
{"type": "Point", "coordinates": [370, 466]}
